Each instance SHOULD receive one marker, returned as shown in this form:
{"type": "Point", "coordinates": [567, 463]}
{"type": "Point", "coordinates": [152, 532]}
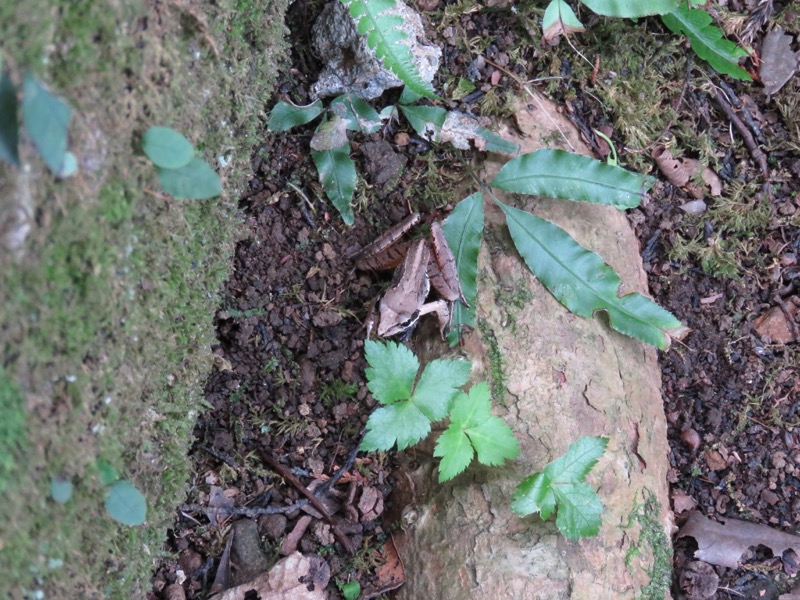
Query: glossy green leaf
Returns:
{"type": "Point", "coordinates": [561, 485]}
{"type": "Point", "coordinates": [376, 20]}
{"type": "Point", "coordinates": [427, 121]}
{"type": "Point", "coordinates": [631, 8]}
{"type": "Point", "coordinates": [167, 148]}
{"type": "Point", "coordinates": [392, 371]}
{"type": "Point", "coordinates": [408, 96]}
{"type": "Point", "coordinates": [559, 19]}
{"type": "Point", "coordinates": [350, 590]}
{"type": "Point", "coordinates": [707, 41]}
{"type": "Point", "coordinates": [9, 127]}
{"type": "Point", "coordinates": [568, 176]}
{"type": "Point", "coordinates": [337, 173]}
{"type": "Point", "coordinates": [463, 230]}
{"type": "Point", "coordinates": [358, 115]}
{"type": "Point", "coordinates": [495, 143]}
{"type": "Point", "coordinates": [60, 489]}
{"type": "Point", "coordinates": [125, 503]}
{"type": "Point", "coordinates": [194, 181]}
{"type": "Point", "coordinates": [582, 282]}
{"type": "Point", "coordinates": [284, 115]}
{"type": "Point", "coordinates": [46, 118]}
{"type": "Point", "coordinates": [473, 429]}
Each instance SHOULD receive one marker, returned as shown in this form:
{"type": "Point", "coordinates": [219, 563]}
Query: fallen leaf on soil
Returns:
{"type": "Point", "coordinates": [682, 502]}
{"type": "Point", "coordinates": [698, 580]}
{"type": "Point", "coordinates": [684, 172]}
{"type": "Point", "coordinates": [723, 544]}
{"type": "Point", "coordinates": [390, 575]}
{"type": "Point", "coordinates": [295, 577]}
{"type": "Point", "coordinates": [289, 545]}
{"type": "Point", "coordinates": [715, 460]}
{"type": "Point", "coordinates": [775, 326]}
{"type": "Point", "coordinates": [217, 503]}
{"type": "Point", "coordinates": [778, 62]}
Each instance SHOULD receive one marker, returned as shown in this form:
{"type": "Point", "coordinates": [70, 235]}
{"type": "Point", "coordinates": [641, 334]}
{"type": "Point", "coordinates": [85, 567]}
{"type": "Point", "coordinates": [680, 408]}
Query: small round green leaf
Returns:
{"type": "Point", "coordinates": [194, 181]}
{"type": "Point", "coordinates": [69, 167]}
{"type": "Point", "coordinates": [126, 504]}
{"type": "Point", "coordinates": [167, 148]}
{"type": "Point", "coordinates": [60, 489]}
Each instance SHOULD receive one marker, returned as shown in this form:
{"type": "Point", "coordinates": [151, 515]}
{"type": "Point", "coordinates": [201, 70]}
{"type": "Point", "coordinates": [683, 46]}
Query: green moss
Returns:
{"type": "Point", "coordinates": [497, 375]}
{"type": "Point", "coordinates": [107, 313]}
{"type": "Point", "coordinates": [653, 542]}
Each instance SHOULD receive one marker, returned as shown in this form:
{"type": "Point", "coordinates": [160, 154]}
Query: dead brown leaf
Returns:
{"type": "Point", "coordinates": [685, 172]}
{"type": "Point", "coordinates": [778, 62]}
{"type": "Point", "coordinates": [724, 543]}
{"type": "Point", "coordinates": [295, 577]}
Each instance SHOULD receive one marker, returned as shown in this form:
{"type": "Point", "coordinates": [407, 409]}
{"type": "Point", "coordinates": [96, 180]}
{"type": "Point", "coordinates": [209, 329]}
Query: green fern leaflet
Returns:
{"type": "Point", "coordinates": [391, 45]}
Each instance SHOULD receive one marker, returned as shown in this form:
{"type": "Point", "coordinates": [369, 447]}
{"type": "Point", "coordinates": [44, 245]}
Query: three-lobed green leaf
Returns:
{"type": "Point", "coordinates": [569, 176]}
{"type": "Point", "coordinates": [473, 429]}
{"type": "Point", "coordinates": [582, 282]}
{"type": "Point", "coordinates": [46, 118]}
{"type": "Point", "coordinates": [707, 41]}
{"type": "Point", "coordinates": [561, 484]}
{"type": "Point", "coordinates": [408, 409]}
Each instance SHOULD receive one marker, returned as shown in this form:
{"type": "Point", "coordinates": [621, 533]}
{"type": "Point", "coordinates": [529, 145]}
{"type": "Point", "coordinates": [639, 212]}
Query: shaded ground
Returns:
{"type": "Point", "coordinates": [288, 384]}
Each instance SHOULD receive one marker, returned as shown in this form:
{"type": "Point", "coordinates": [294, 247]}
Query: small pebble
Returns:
{"type": "Point", "coordinates": [691, 439]}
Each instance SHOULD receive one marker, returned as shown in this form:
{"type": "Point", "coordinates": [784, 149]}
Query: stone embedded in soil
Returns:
{"type": "Point", "coordinates": [352, 67]}
{"type": "Point", "coordinates": [273, 526]}
{"type": "Point", "coordinates": [698, 580]}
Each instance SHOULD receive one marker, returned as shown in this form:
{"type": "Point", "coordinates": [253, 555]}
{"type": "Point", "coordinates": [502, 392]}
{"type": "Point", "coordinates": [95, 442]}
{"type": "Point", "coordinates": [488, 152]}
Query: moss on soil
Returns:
{"type": "Point", "coordinates": [106, 310]}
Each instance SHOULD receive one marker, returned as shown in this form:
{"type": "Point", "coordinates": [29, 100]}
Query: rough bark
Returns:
{"type": "Point", "coordinates": [565, 377]}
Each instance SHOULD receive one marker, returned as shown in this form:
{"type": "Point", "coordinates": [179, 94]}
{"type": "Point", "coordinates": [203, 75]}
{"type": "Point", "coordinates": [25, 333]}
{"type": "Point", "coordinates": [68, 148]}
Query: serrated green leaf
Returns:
{"type": "Point", "coordinates": [579, 510]}
{"type": "Point", "coordinates": [561, 484]}
{"type": "Point", "coordinates": [194, 181]}
{"type": "Point", "coordinates": [392, 371]}
{"type": "Point", "coordinates": [284, 115]}
{"type": "Point", "coordinates": [707, 41]}
{"type": "Point", "coordinates": [125, 503]}
{"type": "Point", "coordinates": [438, 385]}
{"type": "Point", "coordinates": [390, 43]}
{"type": "Point", "coordinates": [472, 429]}
{"type": "Point", "coordinates": [582, 282]}
{"type": "Point", "coordinates": [358, 115]}
{"type": "Point", "coordinates": [337, 173]}
{"type": "Point", "coordinates": [463, 230]}
{"type": "Point", "coordinates": [167, 148]}
{"type": "Point", "coordinates": [9, 128]}
{"type": "Point", "coordinates": [60, 489]}
{"type": "Point", "coordinates": [631, 9]}
{"type": "Point", "coordinates": [401, 423]}
{"type": "Point", "coordinates": [46, 118]}
{"type": "Point", "coordinates": [568, 176]}
{"type": "Point", "coordinates": [427, 121]}
{"type": "Point", "coordinates": [455, 450]}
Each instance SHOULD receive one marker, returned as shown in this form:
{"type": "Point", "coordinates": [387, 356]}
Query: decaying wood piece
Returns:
{"type": "Point", "coordinates": [565, 377]}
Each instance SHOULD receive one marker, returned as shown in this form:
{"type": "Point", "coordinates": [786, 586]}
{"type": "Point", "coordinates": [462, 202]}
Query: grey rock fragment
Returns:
{"type": "Point", "coordinates": [352, 67]}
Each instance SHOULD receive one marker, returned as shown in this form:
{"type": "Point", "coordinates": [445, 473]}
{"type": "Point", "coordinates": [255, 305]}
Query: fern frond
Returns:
{"type": "Point", "coordinates": [389, 42]}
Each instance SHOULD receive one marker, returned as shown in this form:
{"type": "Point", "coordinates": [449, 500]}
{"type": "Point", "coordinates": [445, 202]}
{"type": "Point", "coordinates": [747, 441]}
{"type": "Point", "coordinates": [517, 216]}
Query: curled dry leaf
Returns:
{"type": "Point", "coordinates": [681, 502]}
{"type": "Point", "coordinates": [724, 543]}
{"type": "Point", "coordinates": [684, 172]}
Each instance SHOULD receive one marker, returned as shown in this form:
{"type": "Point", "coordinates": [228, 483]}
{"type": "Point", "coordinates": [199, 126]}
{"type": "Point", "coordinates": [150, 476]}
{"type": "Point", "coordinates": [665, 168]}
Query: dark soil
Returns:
{"type": "Point", "coordinates": [289, 385]}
